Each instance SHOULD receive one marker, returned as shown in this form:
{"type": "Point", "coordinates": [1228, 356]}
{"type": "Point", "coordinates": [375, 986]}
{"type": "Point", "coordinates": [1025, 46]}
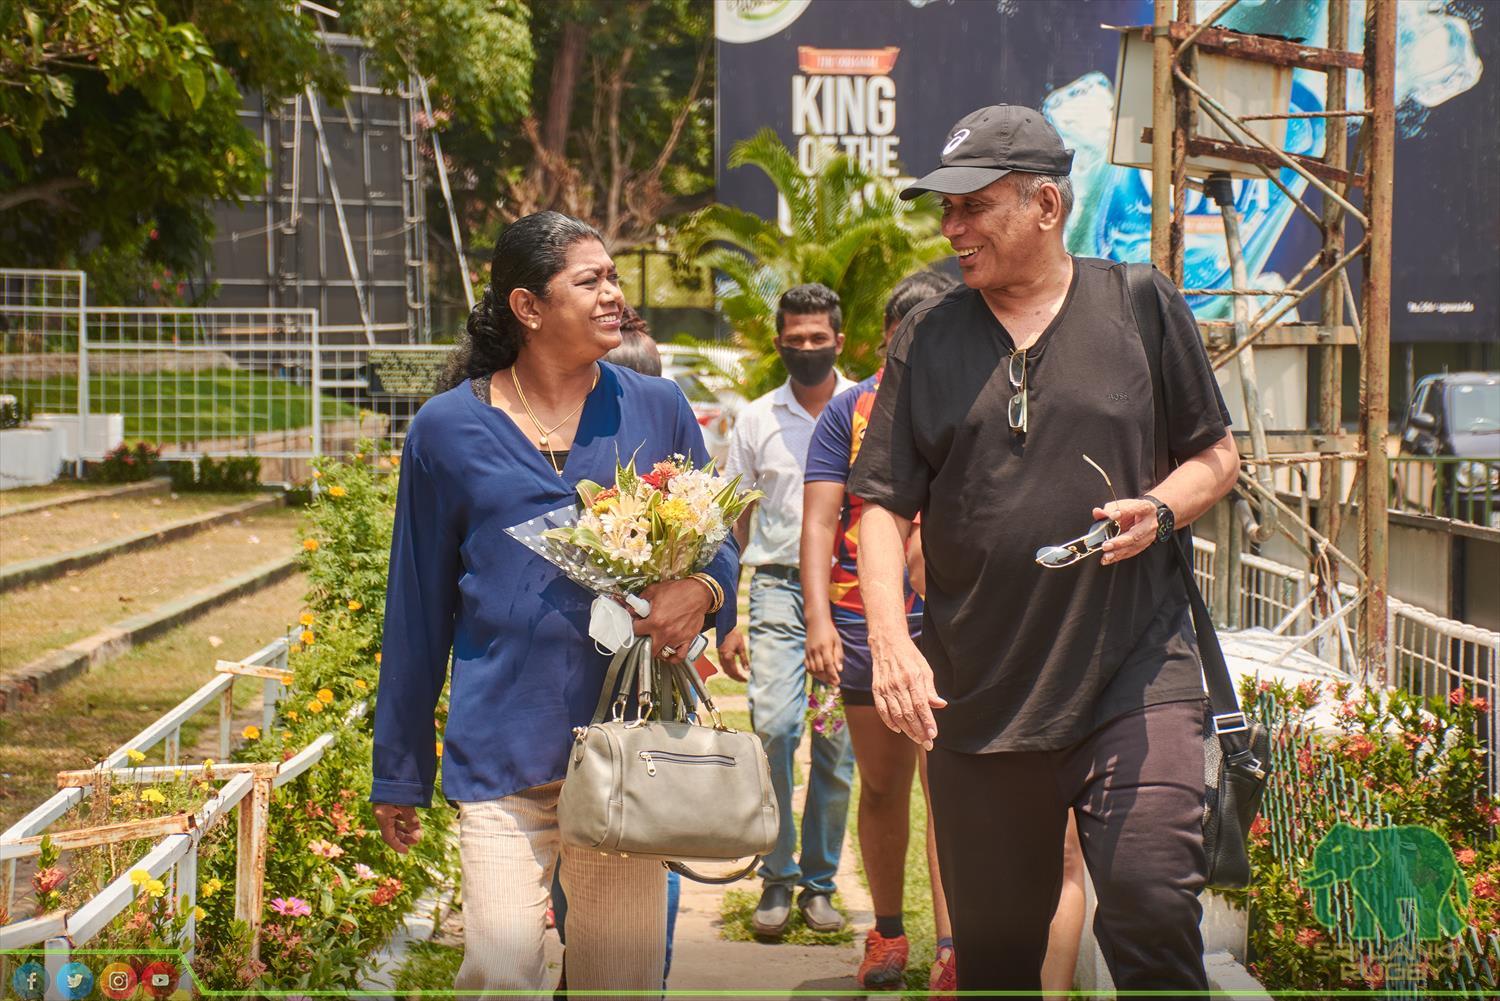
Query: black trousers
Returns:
{"type": "Point", "coordinates": [1136, 786]}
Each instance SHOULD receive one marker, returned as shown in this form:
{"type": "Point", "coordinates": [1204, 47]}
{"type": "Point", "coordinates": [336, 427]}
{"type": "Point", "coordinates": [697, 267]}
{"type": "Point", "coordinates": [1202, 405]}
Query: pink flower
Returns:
{"type": "Point", "coordinates": [363, 872]}
{"type": "Point", "coordinates": [1481, 706]}
{"type": "Point", "coordinates": [1484, 887]}
{"type": "Point", "coordinates": [48, 879]}
{"type": "Point", "coordinates": [1309, 937]}
{"type": "Point", "coordinates": [1466, 856]}
{"type": "Point", "coordinates": [292, 907]}
{"type": "Point", "coordinates": [1457, 697]}
{"type": "Point", "coordinates": [325, 849]}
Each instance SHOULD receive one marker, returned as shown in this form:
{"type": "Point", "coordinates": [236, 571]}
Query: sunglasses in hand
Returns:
{"type": "Point", "coordinates": [1087, 544]}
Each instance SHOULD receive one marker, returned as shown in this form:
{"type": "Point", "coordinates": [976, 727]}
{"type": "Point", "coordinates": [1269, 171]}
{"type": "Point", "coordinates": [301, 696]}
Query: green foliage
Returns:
{"type": "Point", "coordinates": [850, 232]}
{"type": "Point", "coordinates": [126, 463]}
{"type": "Point", "coordinates": [1395, 758]}
{"type": "Point", "coordinates": [477, 54]}
{"type": "Point", "coordinates": [430, 967]}
{"type": "Point", "coordinates": [14, 415]}
{"type": "Point", "coordinates": [236, 474]}
{"type": "Point", "coordinates": [87, 86]}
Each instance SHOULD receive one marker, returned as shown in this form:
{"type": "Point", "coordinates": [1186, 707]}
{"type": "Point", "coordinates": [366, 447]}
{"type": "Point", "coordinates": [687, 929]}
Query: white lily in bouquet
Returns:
{"type": "Point", "coordinates": [647, 528]}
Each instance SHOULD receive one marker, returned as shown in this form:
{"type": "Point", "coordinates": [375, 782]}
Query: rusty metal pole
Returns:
{"type": "Point", "coordinates": [1380, 81]}
{"type": "Point", "coordinates": [1163, 113]}
{"type": "Point", "coordinates": [1185, 114]}
{"type": "Point", "coordinates": [1331, 369]}
{"type": "Point", "coordinates": [250, 859]}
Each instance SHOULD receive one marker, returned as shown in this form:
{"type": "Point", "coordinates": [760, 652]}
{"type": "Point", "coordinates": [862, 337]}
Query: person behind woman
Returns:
{"type": "Point", "coordinates": [532, 410]}
{"type": "Point", "coordinates": [838, 653]}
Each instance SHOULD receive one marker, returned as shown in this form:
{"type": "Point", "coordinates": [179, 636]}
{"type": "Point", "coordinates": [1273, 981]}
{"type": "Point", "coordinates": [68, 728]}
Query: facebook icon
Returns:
{"type": "Point", "coordinates": [29, 981]}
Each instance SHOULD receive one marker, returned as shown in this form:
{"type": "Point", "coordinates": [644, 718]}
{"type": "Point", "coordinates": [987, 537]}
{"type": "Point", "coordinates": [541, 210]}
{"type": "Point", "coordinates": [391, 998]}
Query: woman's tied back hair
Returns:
{"type": "Point", "coordinates": [529, 254]}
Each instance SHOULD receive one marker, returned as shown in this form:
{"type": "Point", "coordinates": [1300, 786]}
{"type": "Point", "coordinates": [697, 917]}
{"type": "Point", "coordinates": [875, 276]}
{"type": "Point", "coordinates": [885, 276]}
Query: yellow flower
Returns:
{"type": "Point", "coordinates": [675, 511]}
{"type": "Point", "coordinates": [336, 491]}
{"type": "Point", "coordinates": [440, 748]}
{"type": "Point", "coordinates": [287, 679]}
{"type": "Point", "coordinates": [311, 545]}
{"type": "Point", "coordinates": [307, 637]}
{"type": "Point", "coordinates": [286, 735]}
{"type": "Point", "coordinates": [208, 765]}
{"type": "Point", "coordinates": [325, 696]}
{"type": "Point", "coordinates": [251, 733]}
{"type": "Point", "coordinates": [153, 796]}
{"type": "Point", "coordinates": [306, 618]}
{"type": "Point", "coordinates": [359, 683]}
{"type": "Point", "coordinates": [314, 706]}
{"type": "Point", "coordinates": [359, 455]}
{"type": "Point", "coordinates": [155, 887]}
{"type": "Point", "coordinates": [355, 606]}
{"type": "Point", "coordinates": [139, 876]}
{"type": "Point", "coordinates": [135, 757]}
{"type": "Point", "coordinates": [199, 914]}
{"type": "Point", "coordinates": [317, 474]}
{"type": "Point", "coordinates": [211, 887]}
{"type": "Point", "coordinates": [291, 714]}
{"type": "Point", "coordinates": [377, 656]}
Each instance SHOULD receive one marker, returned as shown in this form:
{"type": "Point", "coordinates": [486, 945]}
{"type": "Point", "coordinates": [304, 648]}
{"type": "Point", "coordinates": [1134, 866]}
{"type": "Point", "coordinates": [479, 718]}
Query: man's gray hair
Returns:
{"type": "Point", "coordinates": [1027, 185]}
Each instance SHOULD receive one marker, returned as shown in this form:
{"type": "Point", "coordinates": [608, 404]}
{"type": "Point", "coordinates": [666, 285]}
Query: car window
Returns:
{"type": "Point", "coordinates": [1475, 407]}
{"type": "Point", "coordinates": [1428, 404]}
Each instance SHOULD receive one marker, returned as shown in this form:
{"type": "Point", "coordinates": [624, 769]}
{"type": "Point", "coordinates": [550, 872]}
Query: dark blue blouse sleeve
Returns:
{"type": "Point", "coordinates": [725, 567]}
{"type": "Point", "coordinates": [421, 596]}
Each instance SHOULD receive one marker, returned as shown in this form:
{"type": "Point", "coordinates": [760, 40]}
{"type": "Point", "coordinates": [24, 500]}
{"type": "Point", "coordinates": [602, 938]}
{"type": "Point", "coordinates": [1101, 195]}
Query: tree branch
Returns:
{"type": "Point", "coordinates": [49, 191]}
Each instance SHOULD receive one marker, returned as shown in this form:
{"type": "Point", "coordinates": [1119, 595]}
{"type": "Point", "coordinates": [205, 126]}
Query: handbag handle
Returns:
{"type": "Point", "coordinates": [684, 870]}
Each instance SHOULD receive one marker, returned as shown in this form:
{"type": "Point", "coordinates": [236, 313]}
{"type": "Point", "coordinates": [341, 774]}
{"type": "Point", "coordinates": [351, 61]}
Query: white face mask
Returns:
{"type": "Point", "coordinates": [610, 624]}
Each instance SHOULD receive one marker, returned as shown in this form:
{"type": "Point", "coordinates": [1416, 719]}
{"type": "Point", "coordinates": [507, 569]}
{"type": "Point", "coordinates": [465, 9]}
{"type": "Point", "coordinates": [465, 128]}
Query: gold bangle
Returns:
{"type": "Point", "coordinates": [715, 592]}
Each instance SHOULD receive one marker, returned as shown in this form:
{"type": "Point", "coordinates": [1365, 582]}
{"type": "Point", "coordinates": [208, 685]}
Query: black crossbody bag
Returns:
{"type": "Point", "coordinates": [1237, 749]}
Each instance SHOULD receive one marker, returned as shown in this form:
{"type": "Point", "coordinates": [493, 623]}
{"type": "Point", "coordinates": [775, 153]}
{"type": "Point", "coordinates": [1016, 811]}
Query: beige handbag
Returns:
{"type": "Point", "coordinates": [660, 785]}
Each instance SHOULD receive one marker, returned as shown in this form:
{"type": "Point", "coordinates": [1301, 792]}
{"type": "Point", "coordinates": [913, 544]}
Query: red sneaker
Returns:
{"type": "Point", "coordinates": [943, 980]}
{"type": "Point", "coordinates": [884, 964]}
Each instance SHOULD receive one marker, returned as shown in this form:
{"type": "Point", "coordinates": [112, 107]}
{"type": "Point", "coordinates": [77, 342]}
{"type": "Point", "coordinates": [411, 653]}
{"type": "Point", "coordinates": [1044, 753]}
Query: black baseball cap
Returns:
{"type": "Point", "coordinates": [987, 144]}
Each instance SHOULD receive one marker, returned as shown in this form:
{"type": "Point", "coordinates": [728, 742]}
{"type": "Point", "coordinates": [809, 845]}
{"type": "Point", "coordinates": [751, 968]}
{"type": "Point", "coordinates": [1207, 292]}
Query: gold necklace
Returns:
{"type": "Point", "coordinates": [543, 431]}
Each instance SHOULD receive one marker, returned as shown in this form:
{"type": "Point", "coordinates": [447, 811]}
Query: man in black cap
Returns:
{"type": "Point", "coordinates": [1051, 683]}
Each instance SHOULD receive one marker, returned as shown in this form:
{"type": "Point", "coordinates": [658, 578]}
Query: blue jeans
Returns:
{"type": "Point", "coordinates": [778, 710]}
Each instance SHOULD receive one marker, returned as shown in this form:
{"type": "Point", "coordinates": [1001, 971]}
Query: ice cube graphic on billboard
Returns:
{"type": "Point", "coordinates": [1055, 56]}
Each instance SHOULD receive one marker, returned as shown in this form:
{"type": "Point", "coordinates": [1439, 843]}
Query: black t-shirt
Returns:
{"type": "Point", "coordinates": [1030, 658]}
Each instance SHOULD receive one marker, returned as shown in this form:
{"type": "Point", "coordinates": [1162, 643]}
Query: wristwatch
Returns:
{"type": "Point", "coordinates": [1166, 522]}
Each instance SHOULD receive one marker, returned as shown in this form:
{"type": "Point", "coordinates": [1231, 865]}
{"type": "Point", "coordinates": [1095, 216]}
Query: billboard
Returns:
{"type": "Point", "coordinates": [884, 80]}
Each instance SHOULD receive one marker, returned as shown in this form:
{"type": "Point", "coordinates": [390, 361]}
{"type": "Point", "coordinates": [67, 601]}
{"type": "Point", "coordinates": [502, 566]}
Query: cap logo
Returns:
{"type": "Point", "coordinates": [956, 141]}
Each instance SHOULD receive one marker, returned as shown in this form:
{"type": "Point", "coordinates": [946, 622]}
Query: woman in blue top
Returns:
{"type": "Point", "coordinates": [532, 410]}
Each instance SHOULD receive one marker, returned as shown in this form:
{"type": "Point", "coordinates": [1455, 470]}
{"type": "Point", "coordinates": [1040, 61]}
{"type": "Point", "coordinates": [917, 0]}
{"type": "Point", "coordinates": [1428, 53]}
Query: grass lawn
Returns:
{"type": "Point", "coordinates": [76, 725]}
{"type": "Point", "coordinates": [172, 406]}
{"type": "Point", "coordinates": [43, 617]}
{"type": "Point", "coordinates": [429, 967]}
{"type": "Point", "coordinates": [18, 496]}
{"type": "Point", "coordinates": [91, 523]}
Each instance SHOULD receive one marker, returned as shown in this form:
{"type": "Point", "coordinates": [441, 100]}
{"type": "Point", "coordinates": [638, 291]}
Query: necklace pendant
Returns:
{"type": "Point", "coordinates": [543, 441]}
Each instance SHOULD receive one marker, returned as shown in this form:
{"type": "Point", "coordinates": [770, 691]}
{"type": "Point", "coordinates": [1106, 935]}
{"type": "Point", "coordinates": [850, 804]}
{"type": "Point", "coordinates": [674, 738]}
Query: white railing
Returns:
{"type": "Point", "coordinates": [1429, 655]}
{"type": "Point", "coordinates": [175, 856]}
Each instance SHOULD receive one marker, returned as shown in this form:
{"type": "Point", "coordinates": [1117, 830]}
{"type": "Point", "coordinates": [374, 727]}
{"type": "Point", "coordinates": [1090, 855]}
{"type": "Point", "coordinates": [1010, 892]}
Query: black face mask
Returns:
{"type": "Point", "coordinates": [808, 366]}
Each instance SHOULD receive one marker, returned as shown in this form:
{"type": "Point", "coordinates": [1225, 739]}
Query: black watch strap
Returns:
{"type": "Point", "coordinates": [1166, 521]}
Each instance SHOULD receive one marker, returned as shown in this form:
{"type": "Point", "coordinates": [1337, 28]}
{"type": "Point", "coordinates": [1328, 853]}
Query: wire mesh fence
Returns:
{"type": "Point", "coordinates": [1307, 793]}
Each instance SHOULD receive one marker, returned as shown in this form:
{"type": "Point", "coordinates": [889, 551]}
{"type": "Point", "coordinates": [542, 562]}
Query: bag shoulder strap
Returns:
{"type": "Point", "coordinates": [1141, 283]}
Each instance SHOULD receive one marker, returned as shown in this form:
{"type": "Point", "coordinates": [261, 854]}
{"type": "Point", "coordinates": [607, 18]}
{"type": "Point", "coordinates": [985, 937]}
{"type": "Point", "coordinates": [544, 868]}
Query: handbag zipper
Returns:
{"type": "Point", "coordinates": [651, 757]}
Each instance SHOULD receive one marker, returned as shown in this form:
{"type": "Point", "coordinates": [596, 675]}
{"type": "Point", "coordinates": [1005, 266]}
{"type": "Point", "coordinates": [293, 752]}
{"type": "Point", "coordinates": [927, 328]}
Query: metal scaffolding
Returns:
{"type": "Point", "coordinates": [1179, 101]}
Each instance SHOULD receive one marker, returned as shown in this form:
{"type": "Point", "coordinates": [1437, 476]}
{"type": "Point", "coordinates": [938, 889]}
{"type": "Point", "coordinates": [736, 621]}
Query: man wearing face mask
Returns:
{"type": "Point", "coordinates": [768, 448]}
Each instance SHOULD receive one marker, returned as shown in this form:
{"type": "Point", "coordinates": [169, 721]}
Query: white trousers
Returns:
{"type": "Point", "coordinates": [617, 907]}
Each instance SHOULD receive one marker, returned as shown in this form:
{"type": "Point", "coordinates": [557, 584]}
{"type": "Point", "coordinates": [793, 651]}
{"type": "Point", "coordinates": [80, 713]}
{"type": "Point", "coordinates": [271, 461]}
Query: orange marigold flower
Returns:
{"type": "Point", "coordinates": [325, 696]}
{"type": "Point", "coordinates": [355, 605]}
{"type": "Point", "coordinates": [359, 683]}
{"type": "Point", "coordinates": [307, 636]}
{"type": "Point", "coordinates": [336, 491]}
{"type": "Point", "coordinates": [306, 618]}
{"type": "Point", "coordinates": [314, 706]}
{"type": "Point", "coordinates": [251, 733]}
{"type": "Point", "coordinates": [311, 545]}
{"type": "Point", "coordinates": [377, 656]}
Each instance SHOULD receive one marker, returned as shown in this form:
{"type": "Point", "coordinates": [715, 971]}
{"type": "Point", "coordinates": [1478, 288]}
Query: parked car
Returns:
{"type": "Point", "coordinates": [703, 376]}
{"type": "Point", "coordinates": [1455, 417]}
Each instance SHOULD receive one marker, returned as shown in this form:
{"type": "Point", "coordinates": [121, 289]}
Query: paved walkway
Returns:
{"type": "Point", "coordinates": [701, 960]}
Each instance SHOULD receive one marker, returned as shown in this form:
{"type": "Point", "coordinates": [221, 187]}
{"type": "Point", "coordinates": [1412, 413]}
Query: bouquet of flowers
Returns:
{"type": "Point", "coordinates": [648, 527]}
{"type": "Point", "coordinates": [825, 709]}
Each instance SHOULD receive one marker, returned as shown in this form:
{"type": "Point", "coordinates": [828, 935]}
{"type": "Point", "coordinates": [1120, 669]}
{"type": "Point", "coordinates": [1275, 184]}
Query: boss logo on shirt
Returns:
{"type": "Point", "coordinates": [1119, 397]}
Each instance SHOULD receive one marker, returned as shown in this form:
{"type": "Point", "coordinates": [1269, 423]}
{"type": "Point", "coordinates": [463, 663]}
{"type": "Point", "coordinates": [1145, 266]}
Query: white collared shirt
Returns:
{"type": "Point", "coordinates": [768, 448]}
